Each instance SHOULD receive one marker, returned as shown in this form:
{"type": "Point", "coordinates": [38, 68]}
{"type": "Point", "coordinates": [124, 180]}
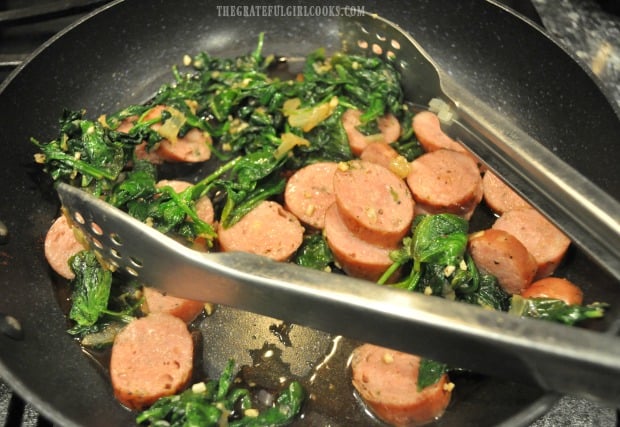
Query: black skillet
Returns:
{"type": "Point", "coordinates": [121, 54]}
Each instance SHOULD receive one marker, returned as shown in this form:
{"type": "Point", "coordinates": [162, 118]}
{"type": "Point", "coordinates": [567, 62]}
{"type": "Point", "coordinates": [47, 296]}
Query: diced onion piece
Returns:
{"type": "Point", "coordinates": [173, 124]}
{"type": "Point", "coordinates": [399, 166]}
{"type": "Point", "coordinates": [102, 119]}
{"type": "Point", "coordinates": [289, 141]}
{"type": "Point", "coordinates": [442, 109]}
{"type": "Point", "coordinates": [200, 387]}
{"type": "Point", "coordinates": [290, 105]}
{"type": "Point", "coordinates": [375, 137]}
{"type": "Point", "coordinates": [192, 104]}
{"type": "Point", "coordinates": [308, 118]}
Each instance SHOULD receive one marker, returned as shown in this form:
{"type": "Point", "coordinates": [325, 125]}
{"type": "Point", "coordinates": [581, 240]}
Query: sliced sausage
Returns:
{"type": "Point", "coordinates": [502, 255]}
{"type": "Point", "coordinates": [267, 230]}
{"type": "Point", "coordinates": [126, 125]}
{"type": "Point", "coordinates": [380, 153]}
{"type": "Point", "coordinates": [140, 152]}
{"type": "Point", "coordinates": [60, 245]}
{"type": "Point", "coordinates": [157, 302]}
{"type": "Point", "coordinates": [555, 288]}
{"type": "Point", "coordinates": [310, 191]}
{"type": "Point", "coordinates": [357, 257]}
{"type": "Point", "coordinates": [152, 155]}
{"type": "Point", "coordinates": [204, 210]}
{"type": "Point", "coordinates": [445, 181]}
{"type": "Point", "coordinates": [389, 128]}
{"type": "Point", "coordinates": [427, 129]}
{"type": "Point", "coordinates": [373, 202]}
{"type": "Point", "coordinates": [385, 155]}
{"type": "Point", "coordinates": [387, 381]}
{"type": "Point", "coordinates": [544, 240]}
{"type": "Point", "coordinates": [498, 196]}
{"type": "Point", "coordinates": [194, 146]}
{"type": "Point", "coordinates": [176, 184]}
{"type": "Point", "coordinates": [151, 357]}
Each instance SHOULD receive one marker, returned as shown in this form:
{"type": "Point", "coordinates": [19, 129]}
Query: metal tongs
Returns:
{"type": "Point", "coordinates": [587, 214]}
{"type": "Point", "coordinates": [555, 357]}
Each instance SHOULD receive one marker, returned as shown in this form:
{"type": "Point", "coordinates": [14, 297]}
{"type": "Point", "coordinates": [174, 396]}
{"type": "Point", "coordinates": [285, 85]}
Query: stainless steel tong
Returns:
{"type": "Point", "coordinates": [556, 357]}
{"type": "Point", "coordinates": [586, 213]}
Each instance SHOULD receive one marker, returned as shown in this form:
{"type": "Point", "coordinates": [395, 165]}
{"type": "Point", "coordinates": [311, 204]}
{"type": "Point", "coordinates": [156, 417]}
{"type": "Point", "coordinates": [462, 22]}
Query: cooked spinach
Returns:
{"type": "Point", "coordinates": [86, 154]}
{"type": "Point", "coordinates": [435, 250]}
{"type": "Point", "coordinates": [430, 372]}
{"type": "Point", "coordinates": [98, 303]}
{"type": "Point", "coordinates": [213, 402]}
{"type": "Point", "coordinates": [314, 253]}
{"type": "Point", "coordinates": [485, 292]}
{"type": "Point", "coordinates": [91, 288]}
{"type": "Point", "coordinates": [555, 310]}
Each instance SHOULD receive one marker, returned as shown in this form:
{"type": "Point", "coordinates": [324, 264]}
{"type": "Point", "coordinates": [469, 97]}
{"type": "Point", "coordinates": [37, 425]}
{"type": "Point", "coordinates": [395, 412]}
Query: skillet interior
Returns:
{"type": "Point", "coordinates": [122, 54]}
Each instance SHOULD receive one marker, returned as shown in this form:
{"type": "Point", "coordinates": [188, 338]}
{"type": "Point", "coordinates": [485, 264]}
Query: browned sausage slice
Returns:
{"type": "Point", "coordinates": [498, 196]}
{"type": "Point", "coordinates": [176, 184]}
{"type": "Point", "coordinates": [152, 156]}
{"type": "Point", "coordinates": [310, 191]}
{"type": "Point", "coordinates": [555, 288]}
{"type": "Point", "coordinates": [267, 230]}
{"type": "Point", "coordinates": [385, 155]}
{"type": "Point", "coordinates": [185, 309]}
{"type": "Point", "coordinates": [445, 181]}
{"type": "Point", "coordinates": [544, 240]}
{"type": "Point", "coordinates": [60, 245]}
{"type": "Point", "coordinates": [194, 146]}
{"type": "Point", "coordinates": [373, 202]}
{"type": "Point", "coordinates": [151, 357]}
{"type": "Point", "coordinates": [204, 210]}
{"type": "Point", "coordinates": [502, 255]}
{"type": "Point", "coordinates": [379, 153]}
{"type": "Point", "coordinates": [357, 257]}
{"type": "Point", "coordinates": [427, 129]}
{"type": "Point", "coordinates": [387, 381]}
{"type": "Point", "coordinates": [389, 128]}
{"type": "Point", "coordinates": [140, 152]}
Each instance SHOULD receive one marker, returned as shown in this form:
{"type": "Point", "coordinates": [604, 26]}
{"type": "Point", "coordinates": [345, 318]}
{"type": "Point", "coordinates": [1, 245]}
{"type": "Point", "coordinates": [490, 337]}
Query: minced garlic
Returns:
{"type": "Point", "coordinates": [449, 386]}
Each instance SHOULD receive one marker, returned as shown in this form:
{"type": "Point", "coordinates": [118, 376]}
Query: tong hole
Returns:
{"type": "Point", "coordinates": [79, 218]}
{"type": "Point", "coordinates": [113, 263]}
{"type": "Point", "coordinates": [116, 239]}
{"type": "Point", "coordinates": [96, 243]}
{"type": "Point", "coordinates": [131, 271]}
{"type": "Point", "coordinates": [115, 253]}
{"type": "Point", "coordinates": [96, 229]}
{"type": "Point", "coordinates": [378, 49]}
{"type": "Point", "coordinates": [135, 262]}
